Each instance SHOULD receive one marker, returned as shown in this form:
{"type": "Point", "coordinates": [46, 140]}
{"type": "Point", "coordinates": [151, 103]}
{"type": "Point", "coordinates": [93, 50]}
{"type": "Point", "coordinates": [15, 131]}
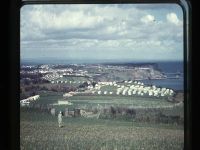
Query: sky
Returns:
{"type": "Point", "coordinates": [131, 32]}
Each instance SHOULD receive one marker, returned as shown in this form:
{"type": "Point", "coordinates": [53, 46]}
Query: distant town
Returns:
{"type": "Point", "coordinates": [97, 72]}
{"type": "Point", "coordinates": [96, 79]}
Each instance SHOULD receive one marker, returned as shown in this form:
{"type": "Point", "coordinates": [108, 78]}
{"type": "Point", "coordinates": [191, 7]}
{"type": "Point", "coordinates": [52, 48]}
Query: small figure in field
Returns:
{"type": "Point", "coordinates": [60, 119]}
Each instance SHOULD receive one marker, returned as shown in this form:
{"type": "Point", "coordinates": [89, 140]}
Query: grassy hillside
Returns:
{"type": "Point", "coordinates": [40, 131]}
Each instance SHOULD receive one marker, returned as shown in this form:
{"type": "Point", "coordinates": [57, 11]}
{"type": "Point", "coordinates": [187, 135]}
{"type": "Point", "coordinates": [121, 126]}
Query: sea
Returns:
{"type": "Point", "coordinates": [171, 69]}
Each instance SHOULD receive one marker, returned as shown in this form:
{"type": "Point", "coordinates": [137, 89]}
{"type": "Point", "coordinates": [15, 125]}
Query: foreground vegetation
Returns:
{"type": "Point", "coordinates": [104, 108]}
{"type": "Point", "coordinates": [41, 131]}
{"type": "Point", "coordinates": [140, 109]}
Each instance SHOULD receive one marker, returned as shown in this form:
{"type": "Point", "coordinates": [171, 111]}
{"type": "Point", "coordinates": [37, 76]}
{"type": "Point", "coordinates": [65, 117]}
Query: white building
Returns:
{"type": "Point", "coordinates": [67, 95]}
{"type": "Point", "coordinates": [124, 92]}
{"type": "Point", "coordinates": [64, 103]}
{"type": "Point", "coordinates": [134, 92]}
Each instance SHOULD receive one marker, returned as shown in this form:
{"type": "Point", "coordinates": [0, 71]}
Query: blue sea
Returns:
{"type": "Point", "coordinates": [171, 69]}
{"type": "Point", "coordinates": [176, 84]}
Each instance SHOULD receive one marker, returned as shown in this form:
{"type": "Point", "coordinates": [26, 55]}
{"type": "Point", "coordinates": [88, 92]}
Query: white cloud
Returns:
{"type": "Point", "coordinates": [147, 19]}
{"type": "Point", "coordinates": [64, 20]}
{"type": "Point", "coordinates": [99, 29]}
{"type": "Point", "coordinates": [172, 18]}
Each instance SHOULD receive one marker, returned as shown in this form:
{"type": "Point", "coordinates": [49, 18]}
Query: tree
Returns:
{"type": "Point", "coordinates": [85, 84]}
{"type": "Point", "coordinates": [93, 84]}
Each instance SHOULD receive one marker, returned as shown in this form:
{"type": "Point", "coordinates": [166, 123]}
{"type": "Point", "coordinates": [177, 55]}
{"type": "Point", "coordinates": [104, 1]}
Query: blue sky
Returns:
{"type": "Point", "coordinates": [132, 32]}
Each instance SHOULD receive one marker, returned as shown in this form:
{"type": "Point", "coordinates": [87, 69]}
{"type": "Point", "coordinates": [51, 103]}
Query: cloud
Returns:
{"type": "Point", "coordinates": [147, 19]}
{"type": "Point", "coordinates": [64, 20]}
{"type": "Point", "coordinates": [172, 18]}
{"type": "Point", "coordinates": [110, 31]}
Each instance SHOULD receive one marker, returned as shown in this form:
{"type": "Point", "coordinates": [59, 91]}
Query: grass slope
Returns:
{"type": "Point", "coordinates": [40, 131]}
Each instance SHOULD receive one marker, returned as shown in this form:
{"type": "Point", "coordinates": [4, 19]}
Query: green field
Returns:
{"type": "Point", "coordinates": [91, 102]}
{"type": "Point", "coordinates": [115, 100]}
{"type": "Point", "coordinates": [120, 100]}
{"type": "Point", "coordinates": [40, 131]}
{"type": "Point", "coordinates": [109, 88]}
{"type": "Point", "coordinates": [49, 97]}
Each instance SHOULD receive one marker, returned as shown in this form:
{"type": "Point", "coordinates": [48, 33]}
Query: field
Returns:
{"type": "Point", "coordinates": [120, 100]}
{"type": "Point", "coordinates": [117, 106]}
{"type": "Point", "coordinates": [41, 131]}
{"type": "Point", "coordinates": [99, 118]}
{"type": "Point", "coordinates": [53, 97]}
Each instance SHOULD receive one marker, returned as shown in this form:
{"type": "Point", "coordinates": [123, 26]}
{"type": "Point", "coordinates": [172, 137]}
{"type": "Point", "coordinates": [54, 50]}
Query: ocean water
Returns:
{"type": "Point", "coordinates": [175, 84]}
{"type": "Point", "coordinates": [170, 69]}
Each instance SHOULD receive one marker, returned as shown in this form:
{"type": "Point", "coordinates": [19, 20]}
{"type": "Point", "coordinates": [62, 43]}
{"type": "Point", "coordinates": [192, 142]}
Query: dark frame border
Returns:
{"type": "Point", "coordinates": [97, 1]}
{"type": "Point", "coordinates": [14, 56]}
